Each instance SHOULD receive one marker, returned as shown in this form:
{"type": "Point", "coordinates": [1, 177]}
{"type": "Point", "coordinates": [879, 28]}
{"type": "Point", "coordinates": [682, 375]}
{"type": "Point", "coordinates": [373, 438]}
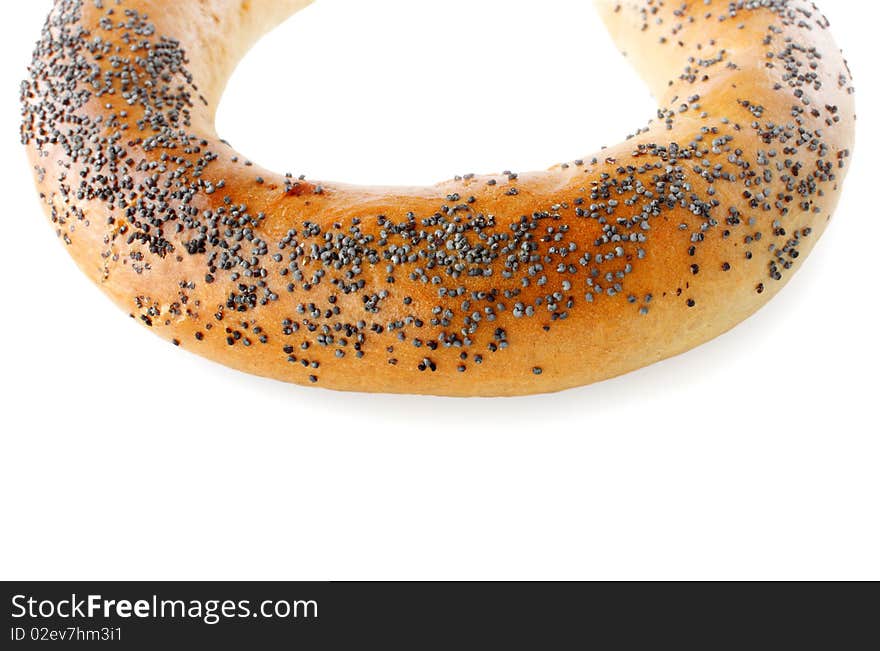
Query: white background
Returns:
{"type": "Point", "coordinates": [756, 456]}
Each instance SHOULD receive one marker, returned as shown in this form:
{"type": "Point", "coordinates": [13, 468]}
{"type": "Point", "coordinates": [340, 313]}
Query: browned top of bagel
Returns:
{"type": "Point", "coordinates": [482, 285]}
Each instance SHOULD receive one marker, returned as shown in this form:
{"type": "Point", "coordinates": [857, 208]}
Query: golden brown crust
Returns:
{"type": "Point", "coordinates": [485, 285]}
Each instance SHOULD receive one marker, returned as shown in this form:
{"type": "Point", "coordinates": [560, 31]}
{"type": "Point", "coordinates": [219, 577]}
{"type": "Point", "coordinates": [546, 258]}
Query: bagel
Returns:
{"type": "Point", "coordinates": [496, 285]}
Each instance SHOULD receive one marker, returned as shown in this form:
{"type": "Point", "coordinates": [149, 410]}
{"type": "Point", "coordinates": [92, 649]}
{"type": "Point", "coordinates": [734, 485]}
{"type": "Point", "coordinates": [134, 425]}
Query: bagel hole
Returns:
{"type": "Point", "coordinates": [395, 92]}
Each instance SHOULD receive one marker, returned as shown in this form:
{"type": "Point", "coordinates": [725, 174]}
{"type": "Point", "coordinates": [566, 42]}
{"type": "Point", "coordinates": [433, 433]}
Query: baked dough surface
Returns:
{"type": "Point", "coordinates": [493, 285]}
